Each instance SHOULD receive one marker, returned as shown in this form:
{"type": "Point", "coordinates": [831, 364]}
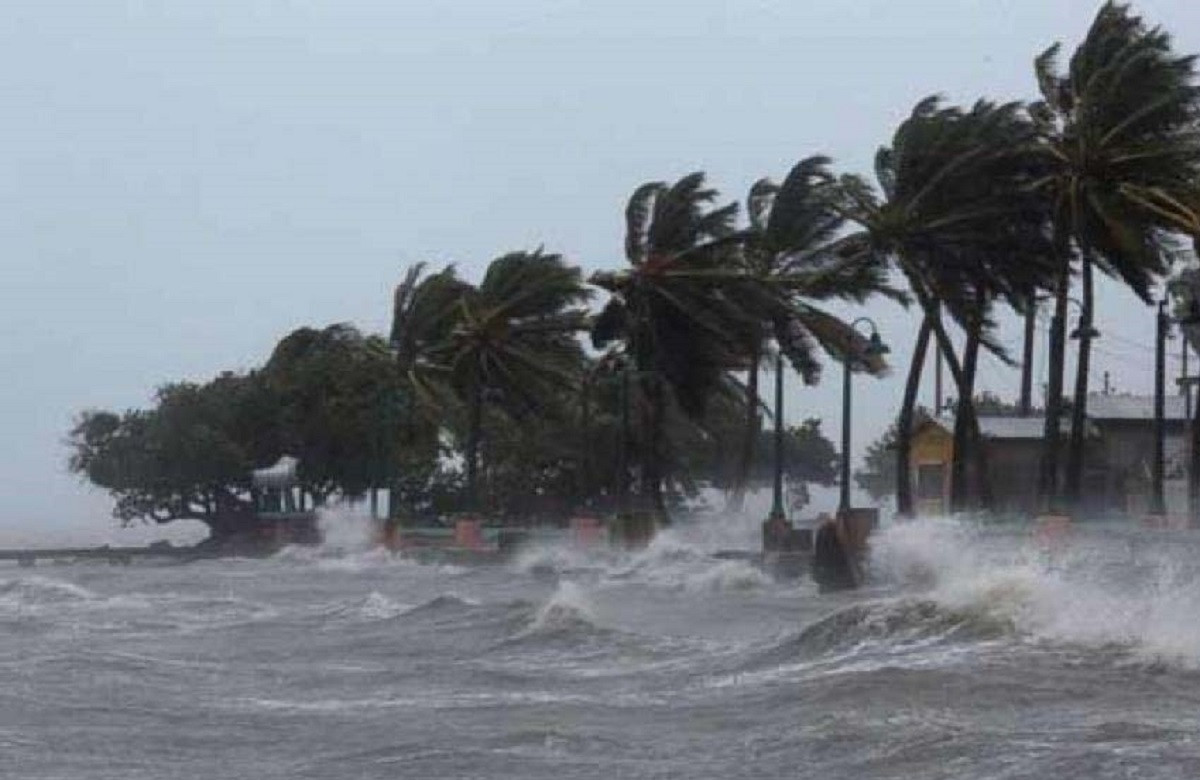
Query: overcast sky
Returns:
{"type": "Point", "coordinates": [185, 182]}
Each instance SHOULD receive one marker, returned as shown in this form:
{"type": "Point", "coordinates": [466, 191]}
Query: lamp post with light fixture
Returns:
{"type": "Point", "coordinates": [875, 348]}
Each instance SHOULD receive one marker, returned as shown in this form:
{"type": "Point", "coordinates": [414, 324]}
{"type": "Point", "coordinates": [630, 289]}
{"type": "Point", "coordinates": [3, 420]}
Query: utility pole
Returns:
{"type": "Point", "coordinates": [1027, 362]}
{"type": "Point", "coordinates": [1183, 379]}
{"type": "Point", "coordinates": [1158, 504]}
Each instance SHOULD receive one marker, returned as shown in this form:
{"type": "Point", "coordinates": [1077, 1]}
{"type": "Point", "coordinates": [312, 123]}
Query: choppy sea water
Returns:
{"type": "Point", "coordinates": [975, 653]}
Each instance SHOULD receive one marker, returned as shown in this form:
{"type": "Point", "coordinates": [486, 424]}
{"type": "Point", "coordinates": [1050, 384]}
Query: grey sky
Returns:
{"type": "Point", "coordinates": [185, 182]}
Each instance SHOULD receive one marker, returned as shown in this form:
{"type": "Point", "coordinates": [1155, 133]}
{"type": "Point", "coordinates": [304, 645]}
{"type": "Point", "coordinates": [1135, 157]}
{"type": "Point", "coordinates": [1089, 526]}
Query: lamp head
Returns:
{"type": "Point", "coordinates": [876, 347]}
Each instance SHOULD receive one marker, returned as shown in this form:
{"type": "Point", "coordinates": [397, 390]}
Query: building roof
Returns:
{"type": "Point", "coordinates": [1133, 407]}
{"type": "Point", "coordinates": [1009, 427]}
{"type": "Point", "coordinates": [280, 475]}
{"type": "Point", "coordinates": [1012, 427]}
{"type": "Point", "coordinates": [995, 427]}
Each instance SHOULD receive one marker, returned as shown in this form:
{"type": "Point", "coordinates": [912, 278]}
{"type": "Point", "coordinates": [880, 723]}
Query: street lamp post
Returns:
{"type": "Point", "coordinates": [1158, 504]}
{"type": "Point", "coordinates": [875, 347]}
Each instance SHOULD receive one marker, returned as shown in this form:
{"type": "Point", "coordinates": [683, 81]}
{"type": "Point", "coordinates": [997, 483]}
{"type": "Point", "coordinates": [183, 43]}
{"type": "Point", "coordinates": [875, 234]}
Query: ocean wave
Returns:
{"type": "Point", "coordinates": [443, 603]}
{"type": "Point", "coordinates": [566, 620]}
{"type": "Point", "coordinates": [375, 606]}
{"type": "Point", "coordinates": [673, 561]}
{"type": "Point", "coordinates": [337, 559]}
{"type": "Point", "coordinates": [1115, 594]}
{"type": "Point", "coordinates": [896, 623]}
{"type": "Point", "coordinates": [37, 591]}
{"type": "Point", "coordinates": [568, 610]}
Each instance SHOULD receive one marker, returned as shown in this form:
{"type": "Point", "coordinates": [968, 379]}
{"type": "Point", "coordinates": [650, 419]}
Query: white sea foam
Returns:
{"type": "Point", "coordinates": [1086, 594]}
{"type": "Point", "coordinates": [567, 607]}
{"type": "Point", "coordinates": [36, 590]}
{"type": "Point", "coordinates": [347, 529]}
{"type": "Point", "coordinates": [377, 606]}
{"type": "Point", "coordinates": [679, 558]}
{"type": "Point", "coordinates": [545, 558]}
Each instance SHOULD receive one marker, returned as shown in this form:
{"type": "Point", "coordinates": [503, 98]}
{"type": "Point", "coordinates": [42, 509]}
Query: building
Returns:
{"type": "Point", "coordinates": [1118, 459]}
{"type": "Point", "coordinates": [1119, 471]}
{"type": "Point", "coordinates": [1012, 446]}
{"type": "Point", "coordinates": [280, 516]}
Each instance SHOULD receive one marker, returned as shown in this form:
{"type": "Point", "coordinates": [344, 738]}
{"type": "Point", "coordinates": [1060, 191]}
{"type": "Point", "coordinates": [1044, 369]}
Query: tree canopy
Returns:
{"type": "Point", "coordinates": [484, 397]}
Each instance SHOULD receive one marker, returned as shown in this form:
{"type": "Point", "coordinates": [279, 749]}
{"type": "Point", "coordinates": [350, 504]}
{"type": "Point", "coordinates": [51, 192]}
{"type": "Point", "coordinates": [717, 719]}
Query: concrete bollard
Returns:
{"type": "Point", "coordinates": [856, 526]}
{"type": "Point", "coordinates": [1052, 530]}
{"type": "Point", "coordinates": [834, 565]}
{"type": "Point", "coordinates": [633, 530]}
{"type": "Point", "coordinates": [468, 533]}
{"type": "Point", "coordinates": [387, 535]}
{"type": "Point", "coordinates": [587, 531]}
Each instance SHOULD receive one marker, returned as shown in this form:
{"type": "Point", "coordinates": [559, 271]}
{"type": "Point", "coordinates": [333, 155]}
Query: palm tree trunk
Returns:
{"type": "Point", "coordinates": [652, 474]}
{"type": "Point", "coordinates": [623, 447]}
{"type": "Point", "coordinates": [964, 442]}
{"type": "Point", "coordinates": [966, 400]}
{"type": "Point", "coordinates": [750, 434]}
{"type": "Point", "coordinates": [583, 481]}
{"type": "Point", "coordinates": [474, 428]}
{"type": "Point", "coordinates": [1048, 478]}
{"type": "Point", "coordinates": [946, 347]}
{"type": "Point", "coordinates": [904, 497]}
{"type": "Point", "coordinates": [1026, 403]}
{"type": "Point", "coordinates": [1075, 454]}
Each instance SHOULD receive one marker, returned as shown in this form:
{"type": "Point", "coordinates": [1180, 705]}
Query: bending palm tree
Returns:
{"type": "Point", "coordinates": [1121, 147]}
{"type": "Point", "coordinates": [425, 312]}
{"type": "Point", "coordinates": [676, 309]}
{"type": "Point", "coordinates": [789, 248]}
{"type": "Point", "coordinates": [514, 339]}
{"type": "Point", "coordinates": [956, 220]}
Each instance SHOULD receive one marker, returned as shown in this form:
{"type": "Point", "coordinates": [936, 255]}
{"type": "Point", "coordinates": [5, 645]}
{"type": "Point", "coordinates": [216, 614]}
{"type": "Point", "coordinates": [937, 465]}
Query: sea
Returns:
{"type": "Point", "coordinates": [975, 651]}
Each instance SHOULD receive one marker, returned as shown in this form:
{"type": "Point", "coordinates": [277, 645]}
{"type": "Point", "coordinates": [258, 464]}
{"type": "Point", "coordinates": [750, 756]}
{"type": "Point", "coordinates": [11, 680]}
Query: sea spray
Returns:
{"type": "Point", "coordinates": [377, 606]}
{"type": "Point", "coordinates": [567, 608]}
{"type": "Point", "coordinates": [349, 543]}
{"type": "Point", "coordinates": [347, 528]}
{"type": "Point", "coordinates": [36, 590]}
{"type": "Point", "coordinates": [1122, 593]}
{"type": "Point", "coordinates": [679, 557]}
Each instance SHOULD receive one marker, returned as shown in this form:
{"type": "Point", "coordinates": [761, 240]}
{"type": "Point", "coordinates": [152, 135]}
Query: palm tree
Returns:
{"type": "Point", "coordinates": [675, 309]}
{"type": "Point", "coordinates": [514, 342]}
{"type": "Point", "coordinates": [1120, 145]}
{"type": "Point", "coordinates": [788, 246]}
{"type": "Point", "coordinates": [425, 312]}
{"type": "Point", "coordinates": [954, 217]}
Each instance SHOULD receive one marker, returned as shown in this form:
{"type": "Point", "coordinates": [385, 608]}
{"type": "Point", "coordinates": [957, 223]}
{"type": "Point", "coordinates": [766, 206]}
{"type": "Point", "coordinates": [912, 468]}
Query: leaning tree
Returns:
{"type": "Point", "coordinates": [953, 213]}
{"type": "Point", "coordinates": [1119, 141]}
{"type": "Point", "coordinates": [513, 344]}
{"type": "Point", "coordinates": [789, 248]}
{"type": "Point", "coordinates": [675, 312]}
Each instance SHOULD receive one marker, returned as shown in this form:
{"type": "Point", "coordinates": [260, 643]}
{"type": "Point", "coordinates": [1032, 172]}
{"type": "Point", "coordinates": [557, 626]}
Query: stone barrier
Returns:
{"type": "Point", "coordinates": [587, 532]}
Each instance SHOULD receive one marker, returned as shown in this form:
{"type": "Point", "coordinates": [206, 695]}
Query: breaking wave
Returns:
{"type": "Point", "coordinates": [444, 603]}
{"type": "Point", "coordinates": [1115, 589]}
{"type": "Point", "coordinates": [566, 621]}
{"type": "Point", "coordinates": [37, 591]}
{"type": "Point", "coordinates": [567, 610]}
{"type": "Point", "coordinates": [678, 558]}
